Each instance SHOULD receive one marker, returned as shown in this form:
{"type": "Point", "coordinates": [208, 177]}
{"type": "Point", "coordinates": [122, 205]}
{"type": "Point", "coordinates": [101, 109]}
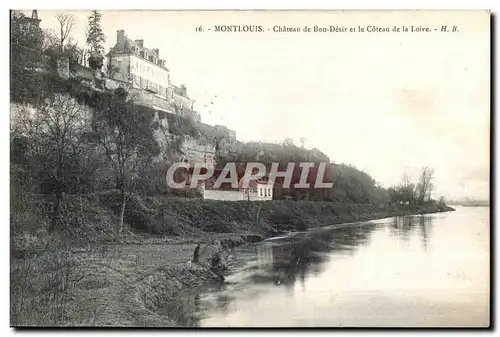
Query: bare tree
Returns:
{"type": "Point", "coordinates": [430, 187]}
{"type": "Point", "coordinates": [407, 189]}
{"type": "Point", "coordinates": [54, 129]}
{"type": "Point", "coordinates": [51, 40]}
{"type": "Point", "coordinates": [66, 23]}
{"type": "Point", "coordinates": [127, 140]}
{"type": "Point", "coordinates": [425, 186]}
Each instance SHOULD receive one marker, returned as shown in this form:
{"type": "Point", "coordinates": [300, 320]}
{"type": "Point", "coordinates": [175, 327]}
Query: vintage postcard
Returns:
{"type": "Point", "coordinates": [250, 168]}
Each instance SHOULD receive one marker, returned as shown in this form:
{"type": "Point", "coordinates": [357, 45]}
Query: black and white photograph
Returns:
{"type": "Point", "coordinates": [250, 168]}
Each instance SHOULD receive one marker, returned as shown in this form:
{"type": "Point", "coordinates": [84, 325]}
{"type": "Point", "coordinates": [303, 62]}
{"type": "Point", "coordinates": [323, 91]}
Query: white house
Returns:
{"type": "Point", "coordinates": [258, 190]}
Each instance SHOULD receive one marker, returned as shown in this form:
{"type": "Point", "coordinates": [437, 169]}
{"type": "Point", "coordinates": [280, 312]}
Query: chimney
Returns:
{"type": "Point", "coordinates": [140, 43]}
{"type": "Point", "coordinates": [184, 90]}
{"type": "Point", "coordinates": [120, 39]}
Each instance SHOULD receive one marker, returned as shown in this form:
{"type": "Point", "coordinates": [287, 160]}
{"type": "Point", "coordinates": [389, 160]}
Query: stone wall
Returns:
{"type": "Point", "coordinates": [149, 99]}
{"type": "Point", "coordinates": [198, 151]}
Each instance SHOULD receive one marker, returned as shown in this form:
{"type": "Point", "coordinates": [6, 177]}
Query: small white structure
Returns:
{"type": "Point", "coordinates": [262, 191]}
{"type": "Point", "coordinates": [257, 191]}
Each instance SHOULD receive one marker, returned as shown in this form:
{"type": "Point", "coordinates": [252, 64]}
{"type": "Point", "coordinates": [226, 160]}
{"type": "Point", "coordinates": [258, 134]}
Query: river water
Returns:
{"type": "Point", "coordinates": [413, 271]}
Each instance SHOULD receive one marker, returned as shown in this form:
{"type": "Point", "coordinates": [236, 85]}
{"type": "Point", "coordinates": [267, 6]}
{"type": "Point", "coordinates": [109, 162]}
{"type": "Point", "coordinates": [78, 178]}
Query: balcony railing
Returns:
{"type": "Point", "coordinates": [151, 88]}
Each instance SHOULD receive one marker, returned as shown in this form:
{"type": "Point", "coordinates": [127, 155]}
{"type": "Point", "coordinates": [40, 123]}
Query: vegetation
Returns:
{"type": "Point", "coordinates": [95, 39]}
{"type": "Point", "coordinates": [127, 141]}
{"type": "Point", "coordinates": [66, 23]}
{"type": "Point", "coordinates": [350, 185]}
{"type": "Point", "coordinates": [411, 193]}
{"type": "Point", "coordinates": [50, 139]}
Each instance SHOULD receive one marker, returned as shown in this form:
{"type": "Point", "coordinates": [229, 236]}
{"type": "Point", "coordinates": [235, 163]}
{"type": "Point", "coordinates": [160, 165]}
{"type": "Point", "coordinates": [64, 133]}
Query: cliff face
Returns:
{"type": "Point", "coordinates": [181, 134]}
{"type": "Point", "coordinates": [194, 141]}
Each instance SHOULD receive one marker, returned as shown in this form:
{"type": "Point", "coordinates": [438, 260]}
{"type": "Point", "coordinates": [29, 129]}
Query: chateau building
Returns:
{"type": "Point", "coordinates": [142, 68]}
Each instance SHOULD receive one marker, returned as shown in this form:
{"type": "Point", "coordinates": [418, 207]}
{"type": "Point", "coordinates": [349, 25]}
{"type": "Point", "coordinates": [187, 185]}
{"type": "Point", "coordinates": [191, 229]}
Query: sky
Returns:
{"type": "Point", "coordinates": [388, 103]}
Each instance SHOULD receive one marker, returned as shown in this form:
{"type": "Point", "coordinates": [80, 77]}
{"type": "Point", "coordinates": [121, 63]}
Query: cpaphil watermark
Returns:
{"type": "Point", "coordinates": [296, 175]}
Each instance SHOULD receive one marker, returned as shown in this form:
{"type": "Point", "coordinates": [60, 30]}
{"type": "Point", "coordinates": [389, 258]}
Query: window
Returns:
{"type": "Point", "coordinates": [119, 64]}
{"type": "Point", "coordinates": [265, 192]}
{"type": "Point", "coordinates": [260, 190]}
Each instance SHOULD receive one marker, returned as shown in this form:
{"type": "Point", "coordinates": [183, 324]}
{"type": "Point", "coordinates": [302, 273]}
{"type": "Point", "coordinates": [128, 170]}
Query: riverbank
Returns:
{"type": "Point", "coordinates": [141, 280]}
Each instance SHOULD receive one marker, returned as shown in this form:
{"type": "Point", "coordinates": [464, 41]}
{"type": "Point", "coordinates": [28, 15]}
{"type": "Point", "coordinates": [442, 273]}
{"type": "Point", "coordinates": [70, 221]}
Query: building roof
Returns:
{"type": "Point", "coordinates": [133, 46]}
{"type": "Point", "coordinates": [130, 44]}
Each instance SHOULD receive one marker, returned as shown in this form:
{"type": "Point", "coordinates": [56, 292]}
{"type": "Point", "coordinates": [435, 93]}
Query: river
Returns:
{"type": "Point", "coordinates": [413, 271]}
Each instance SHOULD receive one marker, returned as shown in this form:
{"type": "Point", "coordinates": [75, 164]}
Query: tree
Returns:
{"type": "Point", "coordinates": [425, 186]}
{"type": "Point", "coordinates": [288, 142]}
{"type": "Point", "coordinates": [52, 49]}
{"type": "Point", "coordinates": [95, 40]}
{"type": "Point", "coordinates": [127, 140]}
{"type": "Point", "coordinates": [54, 131]}
{"type": "Point", "coordinates": [404, 192]}
{"type": "Point", "coordinates": [394, 194]}
{"type": "Point", "coordinates": [66, 23]}
{"type": "Point", "coordinates": [407, 189]}
{"type": "Point", "coordinates": [94, 34]}
{"type": "Point", "coordinates": [442, 201]}
{"type": "Point", "coordinates": [50, 40]}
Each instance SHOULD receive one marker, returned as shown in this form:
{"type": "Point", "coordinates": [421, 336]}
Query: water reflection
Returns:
{"type": "Point", "coordinates": [287, 261]}
{"type": "Point", "coordinates": [404, 227]}
{"type": "Point", "coordinates": [401, 271]}
{"type": "Point", "coordinates": [284, 261]}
